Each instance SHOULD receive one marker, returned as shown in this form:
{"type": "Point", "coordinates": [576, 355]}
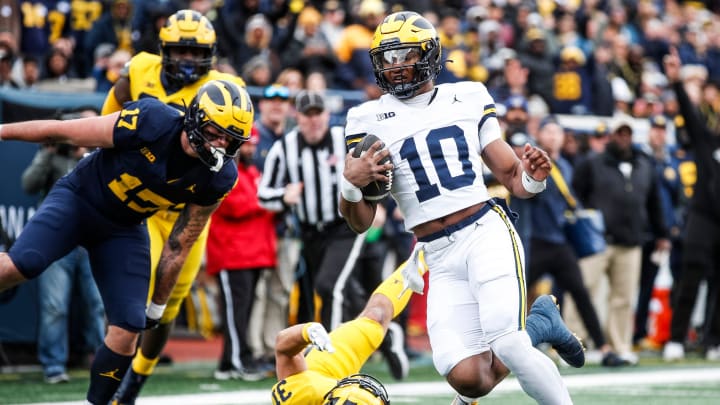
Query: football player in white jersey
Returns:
{"type": "Point", "coordinates": [438, 138]}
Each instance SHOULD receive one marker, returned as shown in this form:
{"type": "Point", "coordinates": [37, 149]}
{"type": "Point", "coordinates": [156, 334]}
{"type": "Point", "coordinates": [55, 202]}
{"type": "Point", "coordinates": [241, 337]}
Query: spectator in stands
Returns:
{"type": "Point", "coordinates": [107, 75]}
{"type": "Point", "coordinates": [11, 19]}
{"type": "Point", "coordinates": [241, 245]}
{"type": "Point", "coordinates": [667, 171]}
{"type": "Point", "coordinates": [598, 139]}
{"type": "Point", "coordinates": [621, 183]}
{"type": "Point", "coordinates": [154, 16]}
{"type": "Point", "coordinates": [492, 47]}
{"type": "Point", "coordinates": [83, 16]}
{"type": "Point", "coordinates": [113, 27]}
{"type": "Point", "coordinates": [257, 71]}
{"type": "Point", "coordinates": [539, 61]}
{"type": "Point", "coordinates": [452, 41]}
{"type": "Point", "coordinates": [572, 84]}
{"type": "Point", "coordinates": [293, 79]}
{"type": "Point", "coordinates": [333, 17]}
{"type": "Point", "coordinates": [550, 251]}
{"type": "Point", "coordinates": [516, 115]}
{"type": "Point", "coordinates": [30, 71]}
{"type": "Point", "coordinates": [309, 50]}
{"type": "Point", "coordinates": [233, 19]}
{"type": "Point", "coordinates": [602, 100]}
{"type": "Point", "coordinates": [259, 44]}
{"type": "Point", "coordinates": [513, 81]}
{"type": "Point", "coordinates": [567, 34]}
{"type": "Point", "coordinates": [42, 24]}
{"type": "Point", "coordinates": [7, 59]}
{"type": "Point", "coordinates": [57, 67]}
{"type": "Point", "coordinates": [355, 71]}
{"type": "Point", "coordinates": [701, 242]}
{"type": "Point", "coordinates": [67, 278]}
{"type": "Point", "coordinates": [627, 64]}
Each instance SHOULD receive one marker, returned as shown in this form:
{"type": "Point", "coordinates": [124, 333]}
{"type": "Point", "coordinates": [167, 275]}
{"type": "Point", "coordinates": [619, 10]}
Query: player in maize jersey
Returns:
{"type": "Point", "coordinates": [438, 138]}
{"type": "Point", "coordinates": [187, 48]}
{"type": "Point", "coordinates": [152, 157]}
{"type": "Point", "coordinates": [328, 374]}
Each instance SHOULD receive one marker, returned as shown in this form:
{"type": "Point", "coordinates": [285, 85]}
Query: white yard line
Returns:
{"type": "Point", "coordinates": [614, 379]}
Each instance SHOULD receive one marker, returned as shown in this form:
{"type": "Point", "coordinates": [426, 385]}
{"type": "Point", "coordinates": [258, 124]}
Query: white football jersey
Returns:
{"type": "Point", "coordinates": [435, 148]}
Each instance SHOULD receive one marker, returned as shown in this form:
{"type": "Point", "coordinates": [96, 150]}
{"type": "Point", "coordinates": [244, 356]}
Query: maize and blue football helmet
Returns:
{"type": "Point", "coordinates": [399, 35]}
{"type": "Point", "coordinates": [357, 389]}
{"type": "Point", "coordinates": [225, 106]}
{"type": "Point", "coordinates": [187, 29]}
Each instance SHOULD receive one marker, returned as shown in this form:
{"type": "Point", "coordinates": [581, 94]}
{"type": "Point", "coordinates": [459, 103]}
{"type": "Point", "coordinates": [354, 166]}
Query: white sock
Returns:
{"type": "Point", "coordinates": [537, 374]}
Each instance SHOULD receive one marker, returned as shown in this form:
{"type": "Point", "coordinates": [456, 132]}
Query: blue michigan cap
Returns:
{"type": "Point", "coordinates": [516, 102]}
{"type": "Point", "coordinates": [658, 121]}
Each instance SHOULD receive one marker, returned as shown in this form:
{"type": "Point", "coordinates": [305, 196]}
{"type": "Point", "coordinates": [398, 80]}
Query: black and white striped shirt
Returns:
{"type": "Point", "coordinates": [319, 167]}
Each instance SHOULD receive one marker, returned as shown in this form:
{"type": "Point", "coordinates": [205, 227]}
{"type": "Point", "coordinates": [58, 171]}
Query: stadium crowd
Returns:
{"type": "Point", "coordinates": [624, 95]}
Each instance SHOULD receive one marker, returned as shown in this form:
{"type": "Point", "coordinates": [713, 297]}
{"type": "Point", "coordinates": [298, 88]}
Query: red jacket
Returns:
{"type": "Point", "coordinates": [242, 233]}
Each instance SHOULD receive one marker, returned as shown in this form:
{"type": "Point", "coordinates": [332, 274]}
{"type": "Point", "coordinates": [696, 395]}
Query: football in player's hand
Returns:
{"type": "Point", "coordinates": [376, 190]}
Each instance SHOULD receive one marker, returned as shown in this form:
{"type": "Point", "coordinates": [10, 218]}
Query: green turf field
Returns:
{"type": "Point", "coordinates": [693, 382]}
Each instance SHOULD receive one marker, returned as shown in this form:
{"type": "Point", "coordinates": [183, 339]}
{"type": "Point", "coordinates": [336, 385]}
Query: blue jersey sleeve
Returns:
{"type": "Point", "coordinates": [144, 121]}
{"type": "Point", "coordinates": [220, 185]}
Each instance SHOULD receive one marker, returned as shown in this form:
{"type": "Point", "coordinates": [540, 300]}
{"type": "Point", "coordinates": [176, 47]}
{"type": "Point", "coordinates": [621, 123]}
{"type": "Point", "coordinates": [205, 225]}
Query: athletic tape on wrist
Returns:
{"type": "Point", "coordinates": [306, 332]}
{"type": "Point", "coordinates": [531, 185]}
{"type": "Point", "coordinates": [350, 192]}
{"type": "Point", "coordinates": [155, 311]}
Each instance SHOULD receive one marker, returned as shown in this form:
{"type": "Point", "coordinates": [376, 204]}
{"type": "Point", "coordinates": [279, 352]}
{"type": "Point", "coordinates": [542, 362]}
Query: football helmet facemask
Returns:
{"type": "Point", "coordinates": [187, 29]}
{"type": "Point", "coordinates": [226, 107]}
{"type": "Point", "coordinates": [357, 389]}
{"type": "Point", "coordinates": [399, 37]}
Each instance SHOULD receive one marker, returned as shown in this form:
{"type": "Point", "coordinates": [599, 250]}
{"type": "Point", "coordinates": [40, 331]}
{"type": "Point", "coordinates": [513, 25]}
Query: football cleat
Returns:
{"type": "Point", "coordinates": [547, 324]}
{"type": "Point", "coordinates": [673, 351]}
{"type": "Point", "coordinates": [129, 388]}
{"type": "Point", "coordinates": [459, 401]}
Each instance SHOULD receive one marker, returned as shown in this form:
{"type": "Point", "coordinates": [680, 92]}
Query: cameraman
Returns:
{"type": "Point", "coordinates": [71, 274]}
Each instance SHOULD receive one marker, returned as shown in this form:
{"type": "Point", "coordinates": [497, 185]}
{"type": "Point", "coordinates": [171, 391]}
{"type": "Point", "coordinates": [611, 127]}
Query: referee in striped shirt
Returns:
{"type": "Point", "coordinates": [303, 172]}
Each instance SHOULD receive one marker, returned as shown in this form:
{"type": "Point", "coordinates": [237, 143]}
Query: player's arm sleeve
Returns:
{"type": "Point", "coordinates": [354, 133]}
{"type": "Point", "coordinates": [489, 128]}
{"type": "Point", "coordinates": [143, 121]}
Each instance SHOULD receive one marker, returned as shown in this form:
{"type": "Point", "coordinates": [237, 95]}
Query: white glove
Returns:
{"type": "Point", "coordinates": [318, 337]}
{"type": "Point", "coordinates": [413, 272]}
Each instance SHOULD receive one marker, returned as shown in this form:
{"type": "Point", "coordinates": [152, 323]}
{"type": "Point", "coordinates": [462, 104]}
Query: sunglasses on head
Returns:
{"type": "Point", "coordinates": [277, 92]}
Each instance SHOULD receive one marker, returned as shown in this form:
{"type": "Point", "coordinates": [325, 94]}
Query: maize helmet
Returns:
{"type": "Point", "coordinates": [399, 35]}
{"type": "Point", "coordinates": [357, 389]}
{"type": "Point", "coordinates": [225, 106]}
{"type": "Point", "coordinates": [187, 29]}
